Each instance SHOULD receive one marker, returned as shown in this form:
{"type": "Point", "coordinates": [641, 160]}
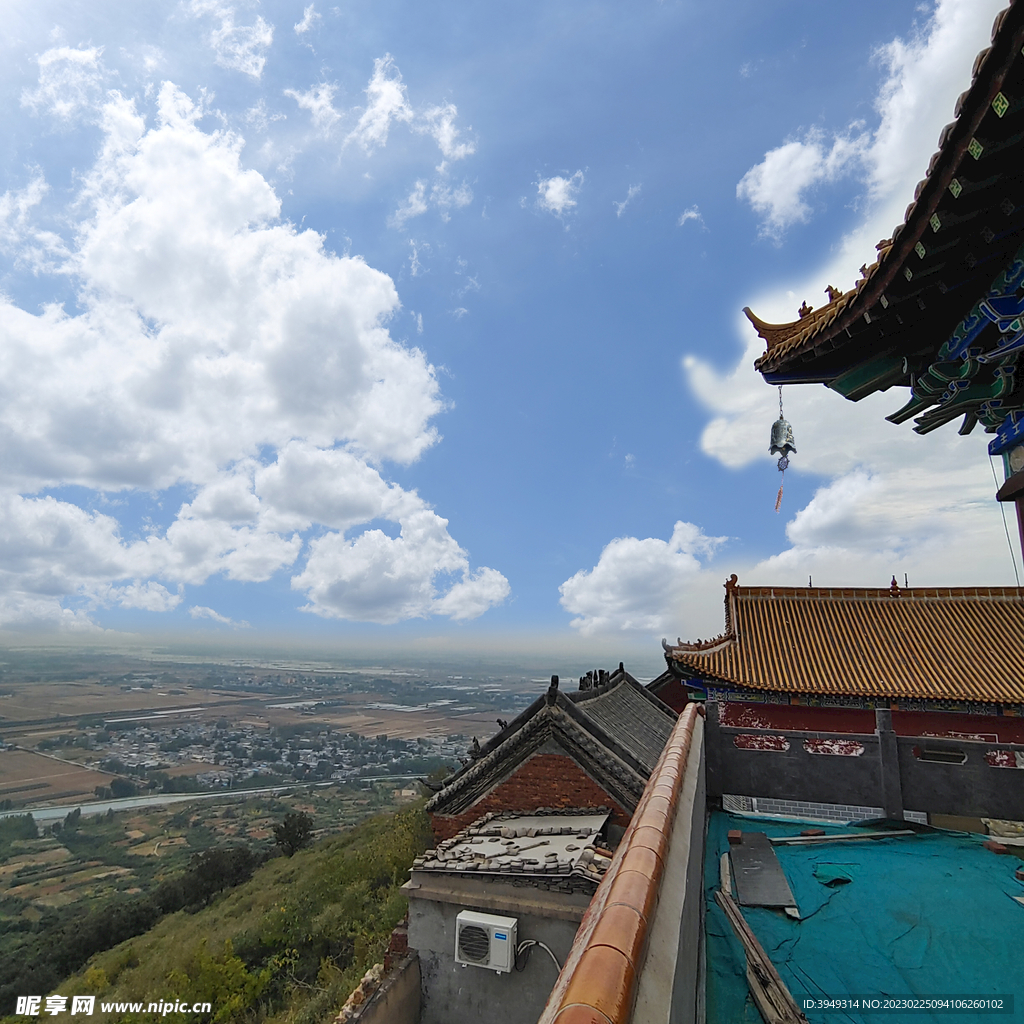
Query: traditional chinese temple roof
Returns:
{"type": "Point", "coordinates": [960, 644]}
{"type": "Point", "coordinates": [613, 728]}
{"type": "Point", "coordinates": [937, 309]}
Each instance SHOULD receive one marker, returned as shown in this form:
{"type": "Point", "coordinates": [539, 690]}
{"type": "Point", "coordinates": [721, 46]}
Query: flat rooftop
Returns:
{"type": "Point", "coordinates": [929, 914]}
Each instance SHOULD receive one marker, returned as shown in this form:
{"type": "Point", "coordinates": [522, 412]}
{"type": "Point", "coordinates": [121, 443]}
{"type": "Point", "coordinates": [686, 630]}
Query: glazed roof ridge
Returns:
{"type": "Point", "coordinates": [829, 321]}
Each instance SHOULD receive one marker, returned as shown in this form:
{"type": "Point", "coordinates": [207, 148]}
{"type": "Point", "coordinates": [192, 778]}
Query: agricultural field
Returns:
{"type": "Point", "coordinates": [27, 776]}
{"type": "Point", "coordinates": [94, 857]}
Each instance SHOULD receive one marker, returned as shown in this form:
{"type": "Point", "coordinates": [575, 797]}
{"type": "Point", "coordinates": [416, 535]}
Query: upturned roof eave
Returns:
{"type": "Point", "coordinates": [1007, 42]}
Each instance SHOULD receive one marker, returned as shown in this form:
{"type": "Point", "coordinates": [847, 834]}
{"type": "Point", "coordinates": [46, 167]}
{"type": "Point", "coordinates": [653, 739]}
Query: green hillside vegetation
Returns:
{"type": "Point", "coordinates": [286, 946]}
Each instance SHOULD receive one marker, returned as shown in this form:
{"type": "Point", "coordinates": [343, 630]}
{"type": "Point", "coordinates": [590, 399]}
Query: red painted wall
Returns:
{"type": "Point", "coordinates": [997, 728]}
{"type": "Point", "coordinates": [543, 780]}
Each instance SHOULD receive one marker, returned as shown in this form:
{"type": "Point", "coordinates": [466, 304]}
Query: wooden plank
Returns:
{"type": "Point", "coordinates": [773, 999]}
{"type": "Point", "coordinates": [812, 840]}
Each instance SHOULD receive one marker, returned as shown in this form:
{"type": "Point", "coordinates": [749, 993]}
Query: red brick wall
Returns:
{"type": "Point", "coordinates": [674, 694]}
{"type": "Point", "coordinates": [544, 780]}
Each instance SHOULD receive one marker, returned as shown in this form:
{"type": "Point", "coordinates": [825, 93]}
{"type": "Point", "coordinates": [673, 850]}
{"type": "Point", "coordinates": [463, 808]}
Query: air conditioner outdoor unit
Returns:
{"type": "Point", "coordinates": [484, 940]}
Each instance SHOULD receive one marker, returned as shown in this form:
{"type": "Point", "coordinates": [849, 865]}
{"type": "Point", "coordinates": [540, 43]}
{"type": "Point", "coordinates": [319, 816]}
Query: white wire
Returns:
{"type": "Point", "coordinates": [536, 942]}
{"type": "Point", "coordinates": [1006, 529]}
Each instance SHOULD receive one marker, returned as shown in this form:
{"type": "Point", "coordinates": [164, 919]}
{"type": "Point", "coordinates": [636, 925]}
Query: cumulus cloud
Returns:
{"type": "Point", "coordinates": [198, 611]}
{"type": "Point", "coordinates": [693, 213]}
{"type": "Point", "coordinates": [439, 122]}
{"type": "Point", "coordinates": [319, 101]}
{"type": "Point", "coordinates": [386, 101]}
{"type": "Point", "coordinates": [16, 207]}
{"type": "Point", "coordinates": [558, 195]}
{"type": "Point", "coordinates": [220, 349]}
{"type": "Point", "coordinates": [638, 585]}
{"type": "Point", "coordinates": [777, 187]}
{"type": "Point", "coordinates": [310, 16]}
{"type": "Point", "coordinates": [237, 47]}
{"type": "Point", "coordinates": [260, 118]}
{"type": "Point", "coordinates": [70, 79]}
{"type": "Point", "coordinates": [441, 195]}
{"type": "Point", "coordinates": [415, 204]}
{"type": "Point", "coordinates": [923, 76]}
{"type": "Point", "coordinates": [634, 191]}
{"type": "Point", "coordinates": [378, 578]}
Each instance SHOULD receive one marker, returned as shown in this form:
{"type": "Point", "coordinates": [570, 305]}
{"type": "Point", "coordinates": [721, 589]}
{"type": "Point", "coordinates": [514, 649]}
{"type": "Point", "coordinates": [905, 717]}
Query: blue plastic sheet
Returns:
{"type": "Point", "coordinates": [924, 915]}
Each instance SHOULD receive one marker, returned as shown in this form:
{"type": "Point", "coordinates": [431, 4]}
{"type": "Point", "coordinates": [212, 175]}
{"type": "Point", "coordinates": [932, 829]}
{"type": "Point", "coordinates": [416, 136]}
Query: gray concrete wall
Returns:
{"type": "Point", "coordinates": [397, 1001]}
{"type": "Point", "coordinates": [453, 994]}
{"type": "Point", "coordinates": [670, 979]}
{"type": "Point", "coordinates": [887, 773]}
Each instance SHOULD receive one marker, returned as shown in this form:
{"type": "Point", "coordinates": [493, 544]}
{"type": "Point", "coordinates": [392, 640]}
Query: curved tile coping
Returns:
{"type": "Point", "coordinates": [598, 983]}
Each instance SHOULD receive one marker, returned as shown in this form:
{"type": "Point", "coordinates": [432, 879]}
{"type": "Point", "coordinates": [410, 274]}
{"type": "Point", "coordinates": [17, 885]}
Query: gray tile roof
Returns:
{"type": "Point", "coordinates": [615, 732]}
{"type": "Point", "coordinates": [626, 713]}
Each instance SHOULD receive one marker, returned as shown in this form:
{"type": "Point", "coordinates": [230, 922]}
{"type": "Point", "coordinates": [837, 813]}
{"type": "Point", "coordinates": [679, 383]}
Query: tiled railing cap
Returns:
{"type": "Point", "coordinates": [598, 983]}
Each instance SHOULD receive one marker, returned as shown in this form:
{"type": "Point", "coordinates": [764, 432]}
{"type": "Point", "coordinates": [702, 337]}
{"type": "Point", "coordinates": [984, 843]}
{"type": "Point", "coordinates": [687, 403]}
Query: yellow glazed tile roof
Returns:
{"type": "Point", "coordinates": [964, 643]}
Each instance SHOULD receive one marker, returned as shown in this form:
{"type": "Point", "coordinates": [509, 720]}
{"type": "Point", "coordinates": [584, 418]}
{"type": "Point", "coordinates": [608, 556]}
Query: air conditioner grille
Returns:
{"type": "Point", "coordinates": [474, 943]}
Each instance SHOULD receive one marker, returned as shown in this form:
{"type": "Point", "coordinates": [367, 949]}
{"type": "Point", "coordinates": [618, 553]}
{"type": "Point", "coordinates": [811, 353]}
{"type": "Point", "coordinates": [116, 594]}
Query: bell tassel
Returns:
{"type": "Point", "coordinates": [778, 499]}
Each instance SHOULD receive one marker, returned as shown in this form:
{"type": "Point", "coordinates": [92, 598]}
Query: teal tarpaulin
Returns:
{"type": "Point", "coordinates": [930, 914]}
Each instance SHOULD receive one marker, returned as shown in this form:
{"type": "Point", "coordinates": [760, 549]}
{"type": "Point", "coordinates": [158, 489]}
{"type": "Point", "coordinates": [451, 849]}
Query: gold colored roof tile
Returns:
{"type": "Point", "coordinates": [963, 643]}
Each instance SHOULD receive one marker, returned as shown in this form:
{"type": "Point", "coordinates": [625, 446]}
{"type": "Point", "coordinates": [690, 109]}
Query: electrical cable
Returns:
{"type": "Point", "coordinates": [1006, 529]}
{"type": "Point", "coordinates": [528, 945]}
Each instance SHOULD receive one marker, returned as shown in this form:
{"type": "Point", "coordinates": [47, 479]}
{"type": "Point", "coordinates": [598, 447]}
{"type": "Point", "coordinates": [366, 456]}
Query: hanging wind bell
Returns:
{"type": "Point", "coordinates": [783, 443]}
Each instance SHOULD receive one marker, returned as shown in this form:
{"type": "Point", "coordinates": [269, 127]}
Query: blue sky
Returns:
{"type": "Point", "coordinates": [413, 320]}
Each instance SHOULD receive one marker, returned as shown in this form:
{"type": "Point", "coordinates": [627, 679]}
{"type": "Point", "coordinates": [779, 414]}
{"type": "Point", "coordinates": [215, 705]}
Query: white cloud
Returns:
{"type": "Point", "coordinates": [220, 349]}
{"type": "Point", "coordinates": [16, 209]}
{"type": "Point", "coordinates": [776, 187]}
{"type": "Point", "coordinates": [415, 264]}
{"type": "Point", "coordinates": [447, 198]}
{"type": "Point", "coordinates": [558, 195]}
{"type": "Point", "coordinates": [924, 75]}
{"type": "Point", "coordinates": [310, 16]}
{"type": "Point", "coordinates": [150, 596]}
{"type": "Point", "coordinates": [387, 104]}
{"type": "Point", "coordinates": [260, 118]}
{"type": "Point", "coordinates": [439, 122]}
{"type": "Point", "coordinates": [377, 578]}
{"type": "Point", "coordinates": [319, 101]}
{"type": "Point", "coordinates": [442, 196]}
{"type": "Point", "coordinates": [640, 586]}
{"type": "Point", "coordinates": [634, 191]}
{"type": "Point", "coordinates": [237, 47]}
{"type": "Point", "coordinates": [69, 81]}
{"type": "Point", "coordinates": [386, 101]}
{"type": "Point", "coordinates": [693, 213]}
{"type": "Point", "coordinates": [415, 204]}
{"type": "Point", "coordinates": [199, 611]}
